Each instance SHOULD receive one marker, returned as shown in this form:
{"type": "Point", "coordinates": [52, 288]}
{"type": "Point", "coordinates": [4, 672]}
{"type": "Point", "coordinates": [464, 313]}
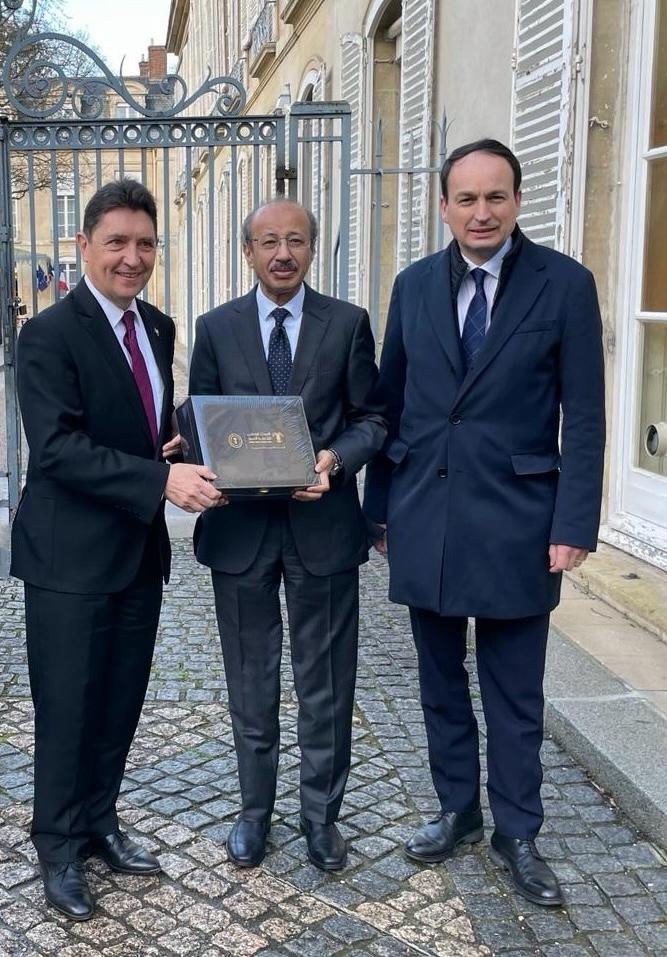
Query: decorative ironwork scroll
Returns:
{"type": "Point", "coordinates": [117, 134]}
{"type": "Point", "coordinates": [41, 88]}
{"type": "Point", "coordinates": [14, 5]}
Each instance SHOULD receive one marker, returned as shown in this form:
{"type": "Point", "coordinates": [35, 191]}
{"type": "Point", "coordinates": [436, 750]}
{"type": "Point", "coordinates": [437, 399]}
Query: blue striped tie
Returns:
{"type": "Point", "coordinates": [474, 325]}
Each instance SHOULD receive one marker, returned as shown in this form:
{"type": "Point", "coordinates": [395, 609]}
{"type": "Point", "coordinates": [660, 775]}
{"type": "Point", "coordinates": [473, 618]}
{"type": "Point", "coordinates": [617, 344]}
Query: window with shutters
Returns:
{"type": "Point", "coordinates": [319, 182]}
{"type": "Point", "coordinates": [314, 162]}
{"type": "Point", "coordinates": [224, 241]}
{"type": "Point", "coordinates": [546, 79]}
{"type": "Point", "coordinates": [352, 90]}
{"type": "Point", "coordinates": [418, 30]}
{"type": "Point", "coordinates": [244, 187]}
{"type": "Point", "coordinates": [201, 256]}
{"type": "Point", "coordinates": [16, 221]}
{"type": "Point", "coordinates": [66, 208]}
{"type": "Point", "coordinates": [69, 276]}
{"type": "Point", "coordinates": [263, 36]}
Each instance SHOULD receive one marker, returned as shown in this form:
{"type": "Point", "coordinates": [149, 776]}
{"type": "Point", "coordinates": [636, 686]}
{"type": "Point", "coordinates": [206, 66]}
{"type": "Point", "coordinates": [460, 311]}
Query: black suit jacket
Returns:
{"type": "Point", "coordinates": [335, 373]}
{"type": "Point", "coordinates": [483, 470]}
{"type": "Point", "coordinates": [94, 489]}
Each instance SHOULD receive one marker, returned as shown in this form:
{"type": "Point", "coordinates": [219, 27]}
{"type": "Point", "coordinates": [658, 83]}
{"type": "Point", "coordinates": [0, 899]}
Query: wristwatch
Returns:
{"type": "Point", "coordinates": [338, 462]}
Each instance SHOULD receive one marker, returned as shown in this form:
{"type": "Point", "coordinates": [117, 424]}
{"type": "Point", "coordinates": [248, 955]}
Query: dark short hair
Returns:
{"type": "Point", "coordinates": [494, 147]}
{"type": "Point", "coordinates": [246, 228]}
{"type": "Point", "coordinates": [119, 194]}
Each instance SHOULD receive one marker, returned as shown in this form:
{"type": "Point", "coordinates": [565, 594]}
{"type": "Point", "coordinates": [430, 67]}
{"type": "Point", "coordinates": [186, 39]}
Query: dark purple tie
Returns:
{"type": "Point", "coordinates": [140, 372]}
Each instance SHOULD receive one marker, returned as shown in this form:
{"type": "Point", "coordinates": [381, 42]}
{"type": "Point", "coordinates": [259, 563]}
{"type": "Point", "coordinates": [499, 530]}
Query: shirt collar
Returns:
{"type": "Point", "coordinates": [493, 265]}
{"type": "Point", "coordinates": [113, 312]}
{"type": "Point", "coordinates": [265, 306]}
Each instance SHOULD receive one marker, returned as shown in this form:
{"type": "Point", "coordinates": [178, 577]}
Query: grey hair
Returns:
{"type": "Point", "coordinates": [246, 228]}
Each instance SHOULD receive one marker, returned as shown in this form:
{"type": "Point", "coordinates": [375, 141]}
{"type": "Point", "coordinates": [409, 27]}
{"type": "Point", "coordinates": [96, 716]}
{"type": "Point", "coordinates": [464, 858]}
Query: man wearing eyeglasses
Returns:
{"type": "Point", "coordinates": [283, 338]}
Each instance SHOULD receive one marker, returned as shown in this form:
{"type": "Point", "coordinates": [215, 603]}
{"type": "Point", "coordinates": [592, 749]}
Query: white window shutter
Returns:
{"type": "Point", "coordinates": [317, 199]}
{"type": "Point", "coordinates": [543, 115]}
{"type": "Point", "coordinates": [352, 90]}
{"type": "Point", "coordinates": [418, 29]}
{"type": "Point", "coordinates": [244, 18]}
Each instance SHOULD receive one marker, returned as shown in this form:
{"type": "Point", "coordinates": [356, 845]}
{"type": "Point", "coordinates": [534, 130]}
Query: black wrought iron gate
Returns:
{"type": "Point", "coordinates": [67, 135]}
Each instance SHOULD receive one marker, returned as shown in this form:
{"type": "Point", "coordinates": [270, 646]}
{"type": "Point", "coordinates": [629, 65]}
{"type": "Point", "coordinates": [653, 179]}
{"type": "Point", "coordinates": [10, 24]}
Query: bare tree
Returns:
{"type": "Point", "coordinates": [41, 75]}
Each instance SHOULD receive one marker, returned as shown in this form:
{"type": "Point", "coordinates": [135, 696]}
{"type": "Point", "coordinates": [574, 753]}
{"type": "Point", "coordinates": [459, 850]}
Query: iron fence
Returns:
{"type": "Point", "coordinates": [70, 135]}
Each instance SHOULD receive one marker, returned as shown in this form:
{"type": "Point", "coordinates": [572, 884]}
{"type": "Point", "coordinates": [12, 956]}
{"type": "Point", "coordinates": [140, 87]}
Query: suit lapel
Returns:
{"type": "Point", "coordinates": [524, 285]}
{"type": "Point", "coordinates": [314, 323]}
{"type": "Point", "coordinates": [246, 330]}
{"type": "Point", "coordinates": [92, 318]}
{"type": "Point", "coordinates": [439, 307]}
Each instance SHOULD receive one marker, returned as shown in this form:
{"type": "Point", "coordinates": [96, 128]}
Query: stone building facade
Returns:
{"type": "Point", "coordinates": [577, 87]}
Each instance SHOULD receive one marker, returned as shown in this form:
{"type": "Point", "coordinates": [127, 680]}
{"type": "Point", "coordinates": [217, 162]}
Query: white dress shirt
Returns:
{"type": "Point", "coordinates": [467, 288]}
{"type": "Point", "coordinates": [115, 315]}
{"type": "Point", "coordinates": [292, 324]}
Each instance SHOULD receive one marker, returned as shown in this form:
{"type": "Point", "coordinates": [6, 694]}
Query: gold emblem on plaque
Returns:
{"type": "Point", "coordinates": [235, 440]}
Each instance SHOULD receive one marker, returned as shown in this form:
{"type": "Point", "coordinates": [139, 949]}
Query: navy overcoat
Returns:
{"type": "Point", "coordinates": [482, 471]}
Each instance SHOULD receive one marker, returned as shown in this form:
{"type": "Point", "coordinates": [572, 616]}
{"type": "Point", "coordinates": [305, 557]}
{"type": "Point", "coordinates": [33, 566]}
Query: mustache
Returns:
{"type": "Point", "coordinates": [288, 266]}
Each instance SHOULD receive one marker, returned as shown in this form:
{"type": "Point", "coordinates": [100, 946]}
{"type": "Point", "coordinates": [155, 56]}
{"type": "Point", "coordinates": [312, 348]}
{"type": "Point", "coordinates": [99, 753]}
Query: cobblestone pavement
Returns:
{"type": "Point", "coordinates": [181, 795]}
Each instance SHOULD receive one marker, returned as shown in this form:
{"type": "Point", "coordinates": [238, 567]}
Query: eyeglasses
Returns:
{"type": "Point", "coordinates": [294, 243]}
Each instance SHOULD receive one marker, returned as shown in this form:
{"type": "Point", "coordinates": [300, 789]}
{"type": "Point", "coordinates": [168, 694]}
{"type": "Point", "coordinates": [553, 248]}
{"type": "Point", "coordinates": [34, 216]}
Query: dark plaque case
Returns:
{"type": "Point", "coordinates": [256, 445]}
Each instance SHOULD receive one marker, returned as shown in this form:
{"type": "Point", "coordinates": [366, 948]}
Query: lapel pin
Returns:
{"type": "Point", "coordinates": [156, 331]}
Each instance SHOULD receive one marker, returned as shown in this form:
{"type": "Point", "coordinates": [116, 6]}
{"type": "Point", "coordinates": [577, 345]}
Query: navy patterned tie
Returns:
{"type": "Point", "coordinates": [474, 325]}
{"type": "Point", "coordinates": [280, 354]}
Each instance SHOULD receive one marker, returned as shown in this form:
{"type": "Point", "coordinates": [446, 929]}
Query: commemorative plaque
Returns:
{"type": "Point", "coordinates": [256, 445]}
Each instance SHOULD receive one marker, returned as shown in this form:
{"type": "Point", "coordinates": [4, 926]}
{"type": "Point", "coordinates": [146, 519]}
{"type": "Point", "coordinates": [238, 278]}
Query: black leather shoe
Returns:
{"type": "Point", "coordinates": [326, 847]}
{"type": "Point", "coordinates": [66, 888]}
{"type": "Point", "coordinates": [531, 875]}
{"type": "Point", "coordinates": [246, 844]}
{"type": "Point", "coordinates": [123, 855]}
{"type": "Point", "coordinates": [437, 840]}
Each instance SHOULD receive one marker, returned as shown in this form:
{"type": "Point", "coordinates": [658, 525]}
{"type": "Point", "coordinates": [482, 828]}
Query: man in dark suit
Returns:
{"type": "Point", "coordinates": [89, 538]}
{"type": "Point", "coordinates": [490, 346]}
{"type": "Point", "coordinates": [284, 338]}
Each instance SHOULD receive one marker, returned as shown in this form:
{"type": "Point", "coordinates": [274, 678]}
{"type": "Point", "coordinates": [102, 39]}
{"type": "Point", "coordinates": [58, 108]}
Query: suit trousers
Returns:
{"type": "Point", "coordinates": [510, 664]}
{"type": "Point", "coordinates": [323, 616]}
{"type": "Point", "coordinates": [89, 660]}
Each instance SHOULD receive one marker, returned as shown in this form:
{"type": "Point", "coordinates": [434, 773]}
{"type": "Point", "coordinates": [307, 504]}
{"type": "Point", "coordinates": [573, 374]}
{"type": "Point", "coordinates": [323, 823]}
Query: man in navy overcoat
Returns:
{"type": "Point", "coordinates": [489, 487]}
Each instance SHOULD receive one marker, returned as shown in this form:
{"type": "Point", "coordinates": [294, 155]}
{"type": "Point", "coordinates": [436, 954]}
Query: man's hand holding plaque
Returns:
{"type": "Point", "coordinates": [190, 487]}
{"type": "Point", "coordinates": [325, 463]}
{"type": "Point", "coordinates": [257, 446]}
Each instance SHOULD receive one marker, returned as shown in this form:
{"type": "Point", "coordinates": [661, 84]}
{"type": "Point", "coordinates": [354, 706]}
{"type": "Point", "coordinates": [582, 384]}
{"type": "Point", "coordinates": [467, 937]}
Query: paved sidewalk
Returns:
{"type": "Point", "coordinates": [606, 699]}
{"type": "Point", "coordinates": [181, 796]}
